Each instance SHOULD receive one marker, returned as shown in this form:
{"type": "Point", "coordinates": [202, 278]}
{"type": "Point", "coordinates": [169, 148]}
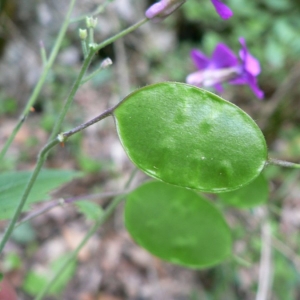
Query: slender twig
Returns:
{"type": "Point", "coordinates": [97, 11]}
{"type": "Point", "coordinates": [43, 53]}
{"type": "Point", "coordinates": [85, 65]}
{"type": "Point", "coordinates": [107, 212]}
{"type": "Point", "coordinates": [122, 71]}
{"type": "Point", "coordinates": [121, 34]}
{"type": "Point", "coordinates": [61, 202]}
{"type": "Point", "coordinates": [41, 81]}
{"type": "Point", "coordinates": [282, 163]}
{"type": "Point", "coordinates": [69, 99]}
{"type": "Point", "coordinates": [67, 134]}
{"type": "Point", "coordinates": [53, 137]}
{"type": "Point", "coordinates": [241, 261]}
{"type": "Point", "coordinates": [265, 268]}
{"type": "Point", "coordinates": [41, 159]}
{"type": "Point", "coordinates": [105, 63]}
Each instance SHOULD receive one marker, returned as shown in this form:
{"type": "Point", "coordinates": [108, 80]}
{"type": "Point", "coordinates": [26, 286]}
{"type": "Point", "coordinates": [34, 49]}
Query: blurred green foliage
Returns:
{"type": "Point", "coordinates": [8, 106]}
{"type": "Point", "coordinates": [12, 185]}
{"type": "Point", "coordinates": [35, 281]}
{"type": "Point", "coordinates": [92, 211]}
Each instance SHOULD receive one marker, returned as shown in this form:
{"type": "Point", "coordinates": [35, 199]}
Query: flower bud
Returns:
{"type": "Point", "coordinates": [106, 63]}
{"type": "Point", "coordinates": [160, 10]}
{"type": "Point", "coordinates": [82, 34]}
{"type": "Point", "coordinates": [91, 22]}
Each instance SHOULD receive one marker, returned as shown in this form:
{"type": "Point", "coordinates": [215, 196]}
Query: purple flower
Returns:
{"type": "Point", "coordinates": [223, 10]}
{"type": "Point", "coordinates": [224, 66]}
{"type": "Point", "coordinates": [160, 10]}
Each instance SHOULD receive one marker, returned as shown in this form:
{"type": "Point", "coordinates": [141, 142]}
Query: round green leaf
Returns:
{"type": "Point", "coordinates": [190, 137]}
{"type": "Point", "coordinates": [177, 225]}
{"type": "Point", "coordinates": [254, 194]}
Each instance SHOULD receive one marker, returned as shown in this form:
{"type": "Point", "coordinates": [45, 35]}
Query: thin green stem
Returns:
{"type": "Point", "coordinates": [108, 211]}
{"type": "Point", "coordinates": [241, 261]}
{"type": "Point", "coordinates": [63, 136]}
{"type": "Point", "coordinates": [105, 63]}
{"type": "Point", "coordinates": [91, 36]}
{"type": "Point", "coordinates": [121, 34]}
{"type": "Point", "coordinates": [43, 154]}
{"type": "Point", "coordinates": [53, 139]}
{"type": "Point", "coordinates": [41, 81]}
{"type": "Point", "coordinates": [84, 48]}
{"type": "Point", "coordinates": [61, 202]}
{"type": "Point", "coordinates": [282, 163]}
{"type": "Point", "coordinates": [97, 11]}
{"type": "Point", "coordinates": [43, 54]}
{"type": "Point", "coordinates": [71, 95]}
{"type": "Point", "coordinates": [11, 137]}
{"type": "Point", "coordinates": [41, 159]}
{"type": "Point", "coordinates": [85, 65]}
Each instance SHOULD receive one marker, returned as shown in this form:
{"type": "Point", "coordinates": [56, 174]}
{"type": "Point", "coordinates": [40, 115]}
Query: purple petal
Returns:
{"type": "Point", "coordinates": [200, 60]}
{"type": "Point", "coordinates": [195, 78]}
{"type": "Point", "coordinates": [223, 10]}
{"type": "Point", "coordinates": [249, 79]}
{"type": "Point", "coordinates": [218, 87]}
{"type": "Point", "coordinates": [238, 81]}
{"type": "Point", "coordinates": [155, 9]}
{"type": "Point", "coordinates": [223, 57]}
{"type": "Point", "coordinates": [251, 64]}
{"type": "Point", "coordinates": [160, 10]}
{"type": "Point", "coordinates": [254, 86]}
{"type": "Point", "coordinates": [198, 79]}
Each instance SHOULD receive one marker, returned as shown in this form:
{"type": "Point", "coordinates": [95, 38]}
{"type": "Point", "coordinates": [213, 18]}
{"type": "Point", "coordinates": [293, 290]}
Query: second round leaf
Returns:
{"type": "Point", "coordinates": [177, 225]}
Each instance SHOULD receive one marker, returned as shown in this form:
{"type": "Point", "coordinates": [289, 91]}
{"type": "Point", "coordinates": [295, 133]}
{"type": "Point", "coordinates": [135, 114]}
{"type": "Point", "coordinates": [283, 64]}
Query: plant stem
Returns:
{"type": "Point", "coordinates": [282, 163]}
{"type": "Point", "coordinates": [43, 154]}
{"type": "Point", "coordinates": [97, 11]}
{"type": "Point", "coordinates": [121, 34]}
{"type": "Point", "coordinates": [102, 116]}
{"type": "Point", "coordinates": [105, 63]}
{"type": "Point", "coordinates": [43, 54]}
{"type": "Point", "coordinates": [41, 158]}
{"type": "Point", "coordinates": [265, 269]}
{"type": "Point", "coordinates": [41, 81]}
{"type": "Point", "coordinates": [85, 65]}
{"type": "Point", "coordinates": [61, 202]}
{"type": "Point", "coordinates": [71, 95]}
{"type": "Point", "coordinates": [108, 211]}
